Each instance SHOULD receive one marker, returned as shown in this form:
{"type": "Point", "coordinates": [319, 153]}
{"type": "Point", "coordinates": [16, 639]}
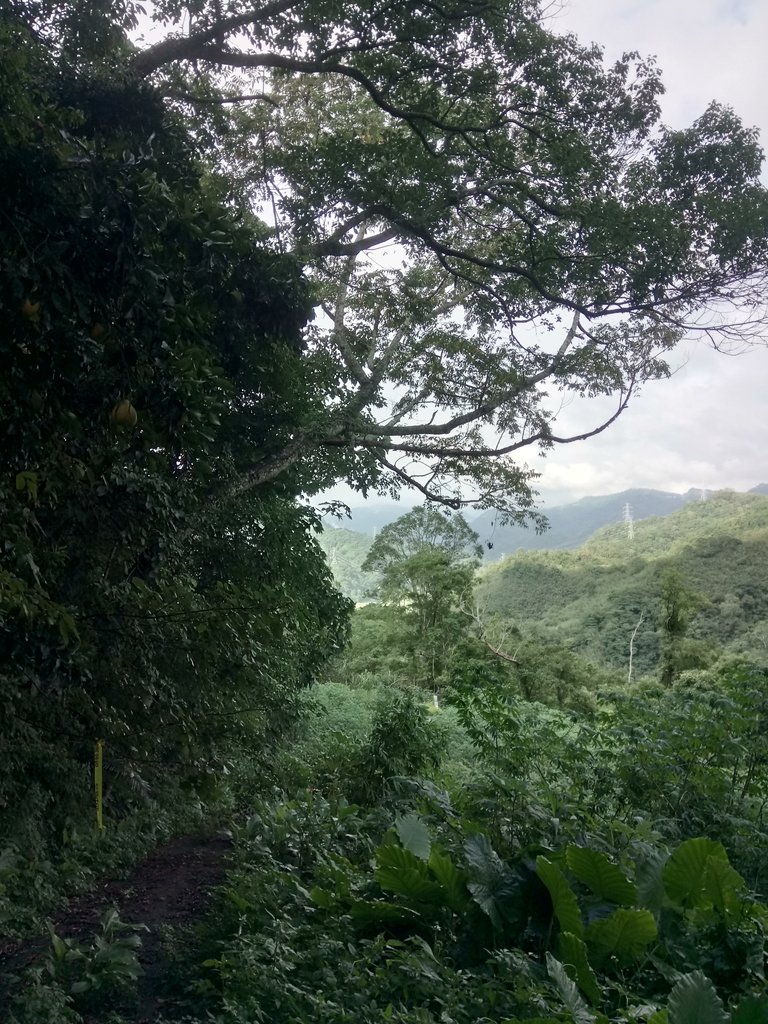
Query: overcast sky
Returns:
{"type": "Point", "coordinates": [707, 426]}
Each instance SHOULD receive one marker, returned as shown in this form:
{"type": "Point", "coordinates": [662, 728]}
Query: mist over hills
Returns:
{"type": "Point", "coordinates": [346, 542]}
{"type": "Point", "coordinates": [571, 525]}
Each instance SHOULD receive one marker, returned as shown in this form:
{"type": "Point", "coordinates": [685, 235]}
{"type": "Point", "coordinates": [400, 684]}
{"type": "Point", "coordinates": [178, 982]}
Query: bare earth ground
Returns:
{"type": "Point", "coordinates": [171, 887]}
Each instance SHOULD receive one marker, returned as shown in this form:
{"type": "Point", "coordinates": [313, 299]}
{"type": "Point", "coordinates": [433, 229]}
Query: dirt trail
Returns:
{"type": "Point", "coordinates": [171, 887]}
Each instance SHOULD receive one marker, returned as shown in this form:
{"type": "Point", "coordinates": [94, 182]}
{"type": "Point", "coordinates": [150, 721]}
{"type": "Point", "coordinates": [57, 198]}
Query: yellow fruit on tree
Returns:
{"type": "Point", "coordinates": [30, 309]}
{"type": "Point", "coordinates": [123, 414]}
{"type": "Point", "coordinates": [98, 330]}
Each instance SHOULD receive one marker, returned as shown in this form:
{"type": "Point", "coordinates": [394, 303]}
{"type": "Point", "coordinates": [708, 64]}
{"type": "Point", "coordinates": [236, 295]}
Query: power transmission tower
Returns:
{"type": "Point", "coordinates": [629, 521]}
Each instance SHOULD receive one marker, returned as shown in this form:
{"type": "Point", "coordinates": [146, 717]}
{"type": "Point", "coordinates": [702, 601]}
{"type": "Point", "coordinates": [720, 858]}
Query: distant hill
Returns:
{"type": "Point", "coordinates": [592, 598]}
{"type": "Point", "coordinates": [571, 525]}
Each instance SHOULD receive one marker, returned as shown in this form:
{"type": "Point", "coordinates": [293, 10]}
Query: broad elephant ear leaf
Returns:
{"type": "Point", "coordinates": [649, 877]}
{"type": "Point", "coordinates": [685, 872]}
{"type": "Point", "coordinates": [625, 934]}
{"type": "Point", "coordinates": [401, 872]}
{"type": "Point", "coordinates": [723, 885]}
{"type": "Point", "coordinates": [564, 901]}
{"type": "Point", "coordinates": [694, 1000]}
{"type": "Point", "coordinates": [600, 875]}
{"type": "Point", "coordinates": [414, 835]}
{"type": "Point", "coordinates": [492, 885]}
{"type": "Point", "coordinates": [453, 880]}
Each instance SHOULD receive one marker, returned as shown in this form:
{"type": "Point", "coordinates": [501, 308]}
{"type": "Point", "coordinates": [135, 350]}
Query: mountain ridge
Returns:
{"type": "Point", "coordinates": [571, 524]}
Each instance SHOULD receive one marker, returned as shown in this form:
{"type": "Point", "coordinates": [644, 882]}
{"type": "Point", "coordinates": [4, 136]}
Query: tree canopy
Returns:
{"type": "Point", "coordinates": [427, 562]}
{"type": "Point", "coordinates": [490, 216]}
{"type": "Point", "coordinates": [150, 337]}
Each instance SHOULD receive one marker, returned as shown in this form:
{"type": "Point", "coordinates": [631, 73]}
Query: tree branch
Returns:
{"type": "Point", "coordinates": [181, 47]}
{"type": "Point", "coordinates": [525, 384]}
{"type": "Point", "coordinates": [440, 499]}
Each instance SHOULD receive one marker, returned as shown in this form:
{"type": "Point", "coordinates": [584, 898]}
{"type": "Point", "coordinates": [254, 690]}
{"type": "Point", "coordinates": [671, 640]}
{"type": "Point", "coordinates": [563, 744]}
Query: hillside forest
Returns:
{"type": "Point", "coordinates": [533, 791]}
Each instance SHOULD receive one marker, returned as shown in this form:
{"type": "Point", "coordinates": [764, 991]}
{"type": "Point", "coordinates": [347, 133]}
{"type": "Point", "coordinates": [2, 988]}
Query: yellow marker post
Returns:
{"type": "Point", "coordinates": [98, 782]}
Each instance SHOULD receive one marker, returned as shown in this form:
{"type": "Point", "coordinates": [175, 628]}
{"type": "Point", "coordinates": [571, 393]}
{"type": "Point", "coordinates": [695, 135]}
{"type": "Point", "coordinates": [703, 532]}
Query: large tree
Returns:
{"type": "Point", "coordinates": [427, 562]}
{"type": "Point", "coordinates": [493, 218]}
{"type": "Point", "coordinates": [151, 343]}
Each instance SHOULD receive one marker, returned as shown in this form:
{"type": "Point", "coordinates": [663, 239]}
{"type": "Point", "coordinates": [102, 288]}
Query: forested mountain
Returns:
{"type": "Point", "coordinates": [591, 599]}
{"type": "Point", "coordinates": [569, 526]}
{"type": "Point", "coordinates": [572, 524]}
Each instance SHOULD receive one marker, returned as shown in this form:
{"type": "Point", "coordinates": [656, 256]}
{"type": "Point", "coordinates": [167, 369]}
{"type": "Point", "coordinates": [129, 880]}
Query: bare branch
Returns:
{"type": "Point", "coordinates": [179, 47]}
{"type": "Point", "coordinates": [440, 499]}
{"type": "Point", "coordinates": [185, 97]}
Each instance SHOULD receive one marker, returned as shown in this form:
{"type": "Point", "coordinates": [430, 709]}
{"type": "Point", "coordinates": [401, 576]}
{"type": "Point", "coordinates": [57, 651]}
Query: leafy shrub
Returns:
{"type": "Point", "coordinates": [334, 915]}
{"type": "Point", "coordinates": [404, 740]}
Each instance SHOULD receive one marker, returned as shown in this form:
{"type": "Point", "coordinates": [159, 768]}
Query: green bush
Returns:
{"type": "Point", "coordinates": [404, 741]}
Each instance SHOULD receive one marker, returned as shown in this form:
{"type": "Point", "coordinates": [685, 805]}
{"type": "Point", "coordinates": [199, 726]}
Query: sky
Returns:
{"type": "Point", "coordinates": [707, 426]}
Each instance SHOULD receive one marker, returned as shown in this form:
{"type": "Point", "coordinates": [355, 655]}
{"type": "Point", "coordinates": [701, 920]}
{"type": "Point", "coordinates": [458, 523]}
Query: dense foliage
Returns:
{"type": "Point", "coordinates": [150, 341]}
{"type": "Point", "coordinates": [589, 868]}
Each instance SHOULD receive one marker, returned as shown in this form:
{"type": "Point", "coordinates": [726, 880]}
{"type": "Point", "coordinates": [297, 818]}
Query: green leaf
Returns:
{"type": "Point", "coordinates": [380, 912]}
{"type": "Point", "coordinates": [660, 1017]}
{"type": "Point", "coordinates": [491, 883]}
{"type": "Point", "coordinates": [27, 481]}
{"type": "Point", "coordinates": [694, 1000]}
{"type": "Point", "coordinates": [650, 881]}
{"type": "Point", "coordinates": [453, 880]}
{"type": "Point", "coordinates": [604, 878]}
{"type": "Point", "coordinates": [723, 885]}
{"type": "Point", "coordinates": [568, 992]}
{"type": "Point", "coordinates": [402, 872]}
{"type": "Point", "coordinates": [414, 835]}
{"type": "Point", "coordinates": [573, 953]}
{"type": "Point", "coordinates": [684, 873]}
{"type": "Point", "coordinates": [564, 900]}
{"type": "Point", "coordinates": [321, 897]}
{"type": "Point", "coordinates": [751, 1010]}
{"type": "Point", "coordinates": [242, 904]}
{"type": "Point", "coordinates": [624, 934]}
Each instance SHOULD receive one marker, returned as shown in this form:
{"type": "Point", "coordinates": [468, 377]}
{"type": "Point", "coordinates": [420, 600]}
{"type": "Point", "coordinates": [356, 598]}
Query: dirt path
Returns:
{"type": "Point", "coordinates": [171, 887]}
